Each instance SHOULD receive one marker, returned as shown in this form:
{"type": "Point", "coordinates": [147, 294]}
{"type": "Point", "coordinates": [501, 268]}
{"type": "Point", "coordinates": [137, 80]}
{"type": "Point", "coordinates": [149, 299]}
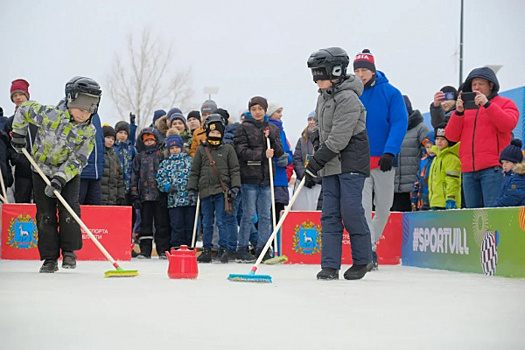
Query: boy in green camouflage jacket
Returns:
{"type": "Point", "coordinates": [64, 141]}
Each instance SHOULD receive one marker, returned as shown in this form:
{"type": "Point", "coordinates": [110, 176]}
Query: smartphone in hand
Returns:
{"type": "Point", "coordinates": [468, 100]}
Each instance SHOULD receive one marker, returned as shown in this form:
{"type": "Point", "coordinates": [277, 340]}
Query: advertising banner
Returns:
{"type": "Point", "coordinates": [488, 240]}
{"type": "Point", "coordinates": [110, 225]}
{"type": "Point", "coordinates": [301, 239]}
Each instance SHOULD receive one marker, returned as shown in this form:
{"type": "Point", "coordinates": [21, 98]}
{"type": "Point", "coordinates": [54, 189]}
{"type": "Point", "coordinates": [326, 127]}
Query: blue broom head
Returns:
{"type": "Point", "coordinates": [250, 278]}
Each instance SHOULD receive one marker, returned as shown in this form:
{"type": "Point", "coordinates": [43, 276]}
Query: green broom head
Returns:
{"type": "Point", "coordinates": [120, 272]}
{"type": "Point", "coordinates": [250, 278]}
{"type": "Point", "coordinates": [276, 260]}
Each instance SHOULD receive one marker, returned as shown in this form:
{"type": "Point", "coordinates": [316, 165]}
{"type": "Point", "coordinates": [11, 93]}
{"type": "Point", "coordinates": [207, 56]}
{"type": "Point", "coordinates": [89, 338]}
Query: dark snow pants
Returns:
{"type": "Point", "coordinates": [342, 205]}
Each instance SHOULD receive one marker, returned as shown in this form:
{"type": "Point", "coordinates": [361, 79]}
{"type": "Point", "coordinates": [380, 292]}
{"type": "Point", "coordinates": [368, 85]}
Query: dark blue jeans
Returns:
{"type": "Point", "coordinates": [481, 188]}
{"type": "Point", "coordinates": [181, 222]}
{"type": "Point", "coordinates": [212, 208]}
{"type": "Point", "coordinates": [254, 235]}
{"type": "Point", "coordinates": [90, 192]}
{"type": "Point", "coordinates": [255, 198]}
{"type": "Point", "coordinates": [342, 204]}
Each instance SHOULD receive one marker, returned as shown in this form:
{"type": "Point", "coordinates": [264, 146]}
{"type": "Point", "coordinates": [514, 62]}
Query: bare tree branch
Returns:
{"type": "Point", "coordinates": [144, 79]}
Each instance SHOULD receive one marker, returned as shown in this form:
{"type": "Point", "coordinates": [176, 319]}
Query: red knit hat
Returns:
{"type": "Point", "coordinates": [19, 85]}
{"type": "Point", "coordinates": [365, 60]}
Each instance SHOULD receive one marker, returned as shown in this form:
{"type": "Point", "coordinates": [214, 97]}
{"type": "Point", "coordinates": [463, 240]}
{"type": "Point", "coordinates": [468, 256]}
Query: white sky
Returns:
{"type": "Point", "coordinates": [251, 48]}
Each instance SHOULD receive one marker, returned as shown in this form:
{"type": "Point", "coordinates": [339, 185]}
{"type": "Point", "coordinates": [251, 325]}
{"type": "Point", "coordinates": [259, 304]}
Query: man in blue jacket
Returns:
{"type": "Point", "coordinates": [386, 123]}
{"type": "Point", "coordinates": [91, 176]}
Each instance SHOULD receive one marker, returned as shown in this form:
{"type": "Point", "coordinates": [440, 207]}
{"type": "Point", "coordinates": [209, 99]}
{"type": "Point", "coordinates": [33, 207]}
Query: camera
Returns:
{"type": "Point", "coordinates": [468, 100]}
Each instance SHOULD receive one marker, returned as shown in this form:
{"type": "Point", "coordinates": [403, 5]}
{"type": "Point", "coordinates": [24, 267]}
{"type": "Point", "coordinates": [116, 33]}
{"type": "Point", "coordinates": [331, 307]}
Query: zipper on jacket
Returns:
{"type": "Point", "coordinates": [473, 137]}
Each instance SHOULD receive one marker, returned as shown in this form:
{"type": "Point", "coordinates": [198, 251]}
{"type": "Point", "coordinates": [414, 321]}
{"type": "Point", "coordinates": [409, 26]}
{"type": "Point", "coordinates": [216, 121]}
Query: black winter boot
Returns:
{"type": "Point", "coordinates": [356, 272]}
{"type": "Point", "coordinates": [232, 254]}
{"type": "Point", "coordinates": [266, 256]}
{"type": "Point", "coordinates": [69, 260]}
{"type": "Point", "coordinates": [374, 261]}
{"type": "Point", "coordinates": [222, 256]}
{"type": "Point", "coordinates": [49, 266]}
{"type": "Point", "coordinates": [243, 256]}
{"type": "Point", "coordinates": [205, 256]}
{"type": "Point", "coordinates": [328, 274]}
{"type": "Point", "coordinates": [146, 245]}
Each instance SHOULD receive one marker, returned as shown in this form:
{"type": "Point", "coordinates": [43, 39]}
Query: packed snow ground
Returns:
{"type": "Point", "coordinates": [394, 308]}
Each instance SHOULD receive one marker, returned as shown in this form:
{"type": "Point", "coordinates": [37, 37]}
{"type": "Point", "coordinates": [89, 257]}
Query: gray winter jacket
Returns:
{"type": "Point", "coordinates": [411, 152]}
{"type": "Point", "coordinates": [341, 120]}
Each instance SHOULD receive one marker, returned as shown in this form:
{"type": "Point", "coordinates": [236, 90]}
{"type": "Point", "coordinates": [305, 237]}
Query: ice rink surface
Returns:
{"type": "Point", "coordinates": [394, 308]}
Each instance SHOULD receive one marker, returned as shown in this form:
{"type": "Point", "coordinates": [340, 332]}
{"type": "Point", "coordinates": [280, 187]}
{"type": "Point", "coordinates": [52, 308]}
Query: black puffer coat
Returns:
{"type": "Point", "coordinates": [250, 145]}
{"type": "Point", "coordinates": [113, 190]}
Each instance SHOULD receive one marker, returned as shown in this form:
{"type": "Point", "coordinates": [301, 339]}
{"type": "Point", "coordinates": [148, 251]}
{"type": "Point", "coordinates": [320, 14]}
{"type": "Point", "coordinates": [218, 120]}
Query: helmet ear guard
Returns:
{"type": "Point", "coordinates": [333, 59]}
{"type": "Point", "coordinates": [85, 86]}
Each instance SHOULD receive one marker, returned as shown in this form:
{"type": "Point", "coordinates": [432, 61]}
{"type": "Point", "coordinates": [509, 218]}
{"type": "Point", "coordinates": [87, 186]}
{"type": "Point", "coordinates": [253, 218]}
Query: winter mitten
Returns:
{"type": "Point", "coordinates": [282, 161]}
{"type": "Point", "coordinates": [18, 142]}
{"type": "Point", "coordinates": [137, 204]}
{"type": "Point", "coordinates": [56, 185]}
{"type": "Point", "coordinates": [385, 162]}
{"type": "Point", "coordinates": [451, 204]}
{"type": "Point", "coordinates": [233, 192]}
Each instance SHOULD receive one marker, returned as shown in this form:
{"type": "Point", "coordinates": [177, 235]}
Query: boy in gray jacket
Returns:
{"type": "Point", "coordinates": [343, 158]}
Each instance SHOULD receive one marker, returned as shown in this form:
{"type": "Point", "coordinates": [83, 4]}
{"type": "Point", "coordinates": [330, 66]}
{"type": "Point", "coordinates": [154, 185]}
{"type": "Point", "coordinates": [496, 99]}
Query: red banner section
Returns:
{"type": "Point", "coordinates": [110, 225]}
{"type": "Point", "coordinates": [301, 239]}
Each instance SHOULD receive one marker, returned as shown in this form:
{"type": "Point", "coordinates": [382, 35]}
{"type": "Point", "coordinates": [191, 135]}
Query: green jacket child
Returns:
{"type": "Point", "coordinates": [61, 149]}
{"type": "Point", "coordinates": [444, 183]}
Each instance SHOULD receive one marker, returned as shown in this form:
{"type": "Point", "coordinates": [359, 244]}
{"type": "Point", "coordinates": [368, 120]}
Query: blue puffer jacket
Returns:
{"type": "Point", "coordinates": [386, 116]}
{"type": "Point", "coordinates": [281, 179]}
{"type": "Point", "coordinates": [95, 167]}
{"type": "Point", "coordinates": [175, 170]}
{"type": "Point", "coordinates": [512, 192]}
{"type": "Point", "coordinates": [229, 132]}
{"type": "Point", "coordinates": [126, 152]}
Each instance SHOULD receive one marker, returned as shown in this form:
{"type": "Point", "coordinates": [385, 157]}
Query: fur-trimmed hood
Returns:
{"type": "Point", "coordinates": [519, 169]}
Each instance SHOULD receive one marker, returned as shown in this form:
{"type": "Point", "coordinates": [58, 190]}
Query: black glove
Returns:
{"type": "Point", "coordinates": [192, 194]}
{"type": "Point", "coordinates": [18, 142]}
{"type": "Point", "coordinates": [309, 180]}
{"type": "Point", "coordinates": [385, 162]}
{"type": "Point", "coordinates": [121, 201]}
{"type": "Point", "coordinates": [56, 185]}
{"type": "Point", "coordinates": [233, 193]}
{"type": "Point", "coordinates": [132, 118]}
{"type": "Point", "coordinates": [137, 204]}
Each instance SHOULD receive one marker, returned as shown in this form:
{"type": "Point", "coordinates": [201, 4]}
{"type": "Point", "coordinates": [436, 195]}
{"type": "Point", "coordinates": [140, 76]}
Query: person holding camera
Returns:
{"type": "Point", "coordinates": [483, 123]}
{"type": "Point", "coordinates": [443, 106]}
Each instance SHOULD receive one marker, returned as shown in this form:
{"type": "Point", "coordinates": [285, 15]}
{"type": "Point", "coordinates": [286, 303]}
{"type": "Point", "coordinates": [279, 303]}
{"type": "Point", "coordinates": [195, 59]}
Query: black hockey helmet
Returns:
{"type": "Point", "coordinates": [333, 61]}
{"type": "Point", "coordinates": [85, 86]}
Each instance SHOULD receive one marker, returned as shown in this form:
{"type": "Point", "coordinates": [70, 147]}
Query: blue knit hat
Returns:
{"type": "Point", "coordinates": [174, 140]}
{"type": "Point", "coordinates": [176, 113]}
{"type": "Point", "coordinates": [157, 114]}
{"type": "Point", "coordinates": [512, 152]}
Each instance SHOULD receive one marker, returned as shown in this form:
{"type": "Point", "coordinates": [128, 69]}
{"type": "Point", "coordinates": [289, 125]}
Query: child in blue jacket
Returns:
{"type": "Point", "coordinates": [172, 178]}
{"type": "Point", "coordinates": [512, 192]}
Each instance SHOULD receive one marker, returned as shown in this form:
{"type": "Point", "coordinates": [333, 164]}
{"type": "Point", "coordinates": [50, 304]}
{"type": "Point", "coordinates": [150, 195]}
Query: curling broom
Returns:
{"type": "Point", "coordinates": [252, 277]}
{"type": "Point", "coordinates": [119, 272]}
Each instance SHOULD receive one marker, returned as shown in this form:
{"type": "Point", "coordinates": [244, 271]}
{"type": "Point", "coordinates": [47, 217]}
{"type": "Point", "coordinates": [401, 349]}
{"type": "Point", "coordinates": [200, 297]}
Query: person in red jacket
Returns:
{"type": "Point", "coordinates": [483, 132]}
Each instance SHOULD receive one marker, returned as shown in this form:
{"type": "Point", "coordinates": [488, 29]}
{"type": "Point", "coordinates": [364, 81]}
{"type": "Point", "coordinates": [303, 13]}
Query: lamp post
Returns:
{"type": "Point", "coordinates": [461, 46]}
